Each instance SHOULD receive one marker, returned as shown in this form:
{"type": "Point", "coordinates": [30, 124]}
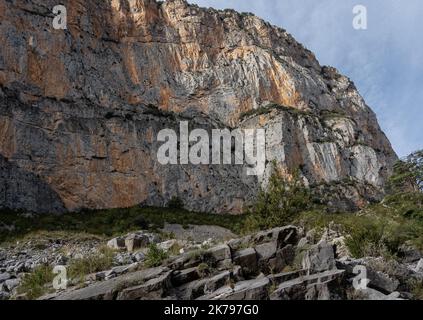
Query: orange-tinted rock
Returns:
{"type": "Point", "coordinates": [76, 105]}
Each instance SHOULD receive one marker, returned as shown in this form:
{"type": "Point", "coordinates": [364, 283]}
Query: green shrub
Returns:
{"type": "Point", "coordinates": [79, 268]}
{"type": "Point", "coordinates": [408, 174]}
{"type": "Point", "coordinates": [366, 239]}
{"type": "Point", "coordinates": [416, 287]}
{"type": "Point", "coordinates": [155, 256]}
{"type": "Point", "coordinates": [283, 200]}
{"type": "Point", "coordinates": [175, 203]}
{"type": "Point", "coordinates": [35, 284]}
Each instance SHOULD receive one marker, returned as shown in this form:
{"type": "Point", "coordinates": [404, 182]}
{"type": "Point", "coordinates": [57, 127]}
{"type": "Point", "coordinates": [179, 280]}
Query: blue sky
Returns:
{"type": "Point", "coordinates": [385, 61]}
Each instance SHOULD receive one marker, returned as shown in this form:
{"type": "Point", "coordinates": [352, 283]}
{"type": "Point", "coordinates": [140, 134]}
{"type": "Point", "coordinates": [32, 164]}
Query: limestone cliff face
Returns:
{"type": "Point", "coordinates": [80, 108]}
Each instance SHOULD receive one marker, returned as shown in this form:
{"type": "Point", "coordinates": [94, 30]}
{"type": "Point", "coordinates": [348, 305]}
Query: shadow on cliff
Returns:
{"type": "Point", "coordinates": [20, 190]}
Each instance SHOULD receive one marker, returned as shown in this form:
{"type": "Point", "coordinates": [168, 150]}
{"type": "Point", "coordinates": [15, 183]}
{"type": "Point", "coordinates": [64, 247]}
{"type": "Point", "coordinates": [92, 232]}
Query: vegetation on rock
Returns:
{"type": "Point", "coordinates": [155, 256]}
{"type": "Point", "coordinates": [284, 198]}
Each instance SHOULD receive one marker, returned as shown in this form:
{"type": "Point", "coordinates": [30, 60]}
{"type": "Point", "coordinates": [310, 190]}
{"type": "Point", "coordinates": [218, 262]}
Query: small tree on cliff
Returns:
{"type": "Point", "coordinates": [276, 206]}
{"type": "Point", "coordinates": [408, 174]}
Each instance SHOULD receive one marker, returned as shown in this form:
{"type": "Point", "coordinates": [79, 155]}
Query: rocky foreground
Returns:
{"type": "Point", "coordinates": [285, 263]}
{"type": "Point", "coordinates": [80, 109]}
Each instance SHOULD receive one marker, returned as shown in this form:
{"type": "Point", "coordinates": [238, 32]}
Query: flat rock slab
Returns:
{"type": "Point", "coordinates": [153, 289]}
{"type": "Point", "coordinates": [299, 288]}
{"type": "Point", "coordinates": [108, 290]}
{"type": "Point", "coordinates": [256, 289]}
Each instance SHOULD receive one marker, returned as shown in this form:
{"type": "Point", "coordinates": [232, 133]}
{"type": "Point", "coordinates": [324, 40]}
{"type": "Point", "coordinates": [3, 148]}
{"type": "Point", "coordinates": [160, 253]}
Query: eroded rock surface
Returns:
{"type": "Point", "coordinates": [80, 108]}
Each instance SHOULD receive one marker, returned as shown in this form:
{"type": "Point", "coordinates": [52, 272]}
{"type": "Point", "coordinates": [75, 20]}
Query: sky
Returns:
{"type": "Point", "coordinates": [385, 61]}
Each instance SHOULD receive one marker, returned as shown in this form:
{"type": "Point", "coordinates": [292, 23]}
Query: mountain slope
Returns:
{"type": "Point", "coordinates": [80, 108]}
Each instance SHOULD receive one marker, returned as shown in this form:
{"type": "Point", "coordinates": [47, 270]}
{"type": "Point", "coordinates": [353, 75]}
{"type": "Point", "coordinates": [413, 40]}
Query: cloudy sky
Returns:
{"type": "Point", "coordinates": [385, 61]}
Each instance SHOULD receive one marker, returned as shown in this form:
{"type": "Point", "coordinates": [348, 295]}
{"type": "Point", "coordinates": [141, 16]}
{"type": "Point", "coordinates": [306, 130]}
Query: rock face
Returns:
{"type": "Point", "coordinates": [80, 108]}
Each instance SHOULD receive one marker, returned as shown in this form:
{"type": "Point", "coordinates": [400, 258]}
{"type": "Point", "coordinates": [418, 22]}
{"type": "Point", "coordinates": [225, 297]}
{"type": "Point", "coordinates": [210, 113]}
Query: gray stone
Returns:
{"type": "Point", "coordinates": [136, 241]}
{"type": "Point", "coordinates": [11, 284]}
{"type": "Point", "coordinates": [239, 243]}
{"type": "Point", "coordinates": [309, 287]}
{"type": "Point", "coordinates": [237, 273]}
{"type": "Point", "coordinates": [139, 256]}
{"type": "Point", "coordinates": [284, 257]}
{"type": "Point", "coordinates": [247, 259]}
{"type": "Point", "coordinates": [166, 245]}
{"type": "Point", "coordinates": [319, 258]}
{"type": "Point", "coordinates": [382, 282]}
{"type": "Point", "coordinates": [220, 252]}
{"type": "Point", "coordinates": [107, 290]}
{"type": "Point", "coordinates": [4, 276]}
{"type": "Point", "coordinates": [282, 236]}
{"type": "Point", "coordinates": [216, 282]}
{"type": "Point", "coordinates": [153, 289]}
{"type": "Point", "coordinates": [419, 267]}
{"type": "Point", "coordinates": [117, 243]}
{"type": "Point", "coordinates": [117, 271]}
{"type": "Point", "coordinates": [256, 289]}
{"type": "Point", "coordinates": [224, 265]}
{"type": "Point", "coordinates": [374, 295]}
{"type": "Point", "coordinates": [184, 276]}
{"type": "Point", "coordinates": [266, 251]}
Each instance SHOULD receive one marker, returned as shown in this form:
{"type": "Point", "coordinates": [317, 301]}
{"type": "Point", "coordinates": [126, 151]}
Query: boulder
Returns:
{"type": "Point", "coordinates": [239, 243]}
{"type": "Point", "coordinates": [11, 284]}
{"type": "Point", "coordinates": [139, 256]}
{"type": "Point", "coordinates": [284, 257]}
{"type": "Point", "coordinates": [376, 273]}
{"type": "Point", "coordinates": [247, 259]}
{"type": "Point", "coordinates": [4, 276]}
{"type": "Point", "coordinates": [220, 252]}
{"type": "Point", "coordinates": [319, 258]}
{"type": "Point", "coordinates": [166, 245]}
{"type": "Point", "coordinates": [278, 278]}
{"type": "Point", "coordinates": [283, 236]}
{"type": "Point", "coordinates": [266, 251]}
{"type": "Point", "coordinates": [136, 241]}
{"type": "Point", "coordinates": [382, 282]}
{"type": "Point", "coordinates": [117, 243]}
